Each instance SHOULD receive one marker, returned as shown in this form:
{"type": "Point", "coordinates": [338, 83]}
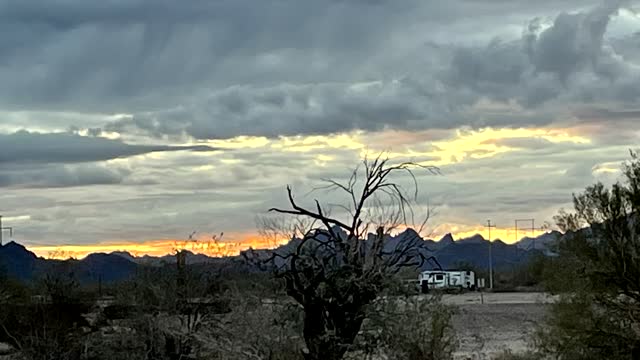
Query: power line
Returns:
{"type": "Point", "coordinates": [489, 226]}
{"type": "Point", "coordinates": [533, 226]}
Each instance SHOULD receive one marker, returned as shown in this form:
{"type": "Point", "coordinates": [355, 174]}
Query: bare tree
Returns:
{"type": "Point", "coordinates": [334, 268]}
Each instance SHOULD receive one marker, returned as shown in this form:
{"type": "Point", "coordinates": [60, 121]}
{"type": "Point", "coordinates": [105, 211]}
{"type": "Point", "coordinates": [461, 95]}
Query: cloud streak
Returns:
{"type": "Point", "coordinates": [56, 176]}
{"type": "Point", "coordinates": [45, 148]}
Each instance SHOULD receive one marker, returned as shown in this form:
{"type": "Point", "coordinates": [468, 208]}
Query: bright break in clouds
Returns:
{"type": "Point", "coordinates": [135, 121]}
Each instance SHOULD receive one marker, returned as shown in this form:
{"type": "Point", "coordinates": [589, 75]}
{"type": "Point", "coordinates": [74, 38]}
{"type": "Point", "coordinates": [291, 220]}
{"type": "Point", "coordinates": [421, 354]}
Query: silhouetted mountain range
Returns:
{"type": "Point", "coordinates": [541, 242]}
{"type": "Point", "coordinates": [18, 262]}
{"type": "Point", "coordinates": [21, 264]}
{"type": "Point", "coordinates": [451, 254]}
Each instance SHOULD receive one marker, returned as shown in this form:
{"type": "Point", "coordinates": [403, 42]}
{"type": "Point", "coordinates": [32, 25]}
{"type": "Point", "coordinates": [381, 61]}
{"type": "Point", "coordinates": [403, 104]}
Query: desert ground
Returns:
{"type": "Point", "coordinates": [487, 324]}
{"type": "Point", "coordinates": [490, 323]}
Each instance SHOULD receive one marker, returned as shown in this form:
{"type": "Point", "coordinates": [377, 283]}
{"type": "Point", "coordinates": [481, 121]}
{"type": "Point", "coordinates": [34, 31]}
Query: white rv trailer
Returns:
{"type": "Point", "coordinates": [447, 279]}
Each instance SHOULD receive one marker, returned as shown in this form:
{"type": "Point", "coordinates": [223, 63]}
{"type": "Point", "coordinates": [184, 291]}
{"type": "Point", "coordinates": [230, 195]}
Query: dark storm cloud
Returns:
{"type": "Point", "coordinates": [137, 54]}
{"type": "Point", "coordinates": [199, 67]}
{"type": "Point", "coordinates": [301, 109]}
{"type": "Point", "coordinates": [568, 62]}
{"type": "Point", "coordinates": [28, 147]}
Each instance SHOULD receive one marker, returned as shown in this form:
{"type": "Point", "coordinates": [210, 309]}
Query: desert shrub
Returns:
{"type": "Point", "coordinates": [250, 327]}
{"type": "Point", "coordinates": [256, 328]}
{"type": "Point", "coordinates": [12, 291]}
{"type": "Point", "coordinates": [509, 355]}
{"type": "Point", "coordinates": [409, 328]}
{"type": "Point", "coordinates": [579, 328]}
{"type": "Point", "coordinates": [146, 337]}
{"type": "Point", "coordinates": [596, 273]}
{"type": "Point", "coordinates": [48, 325]}
{"type": "Point", "coordinates": [525, 275]}
{"type": "Point", "coordinates": [115, 344]}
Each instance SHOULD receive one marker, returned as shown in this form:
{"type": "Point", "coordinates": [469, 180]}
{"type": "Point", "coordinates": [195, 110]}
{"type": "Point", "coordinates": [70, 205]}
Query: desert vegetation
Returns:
{"type": "Point", "coordinates": [595, 275]}
{"type": "Point", "coordinates": [336, 291]}
{"type": "Point", "coordinates": [333, 296]}
{"type": "Point", "coordinates": [224, 314]}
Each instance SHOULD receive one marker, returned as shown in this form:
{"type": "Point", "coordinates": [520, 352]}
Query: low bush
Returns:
{"type": "Point", "coordinates": [409, 328]}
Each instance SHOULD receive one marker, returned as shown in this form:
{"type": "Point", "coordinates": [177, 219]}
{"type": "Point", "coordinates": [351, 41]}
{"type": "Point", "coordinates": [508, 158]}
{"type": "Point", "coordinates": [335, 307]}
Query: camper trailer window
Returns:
{"type": "Point", "coordinates": [439, 277]}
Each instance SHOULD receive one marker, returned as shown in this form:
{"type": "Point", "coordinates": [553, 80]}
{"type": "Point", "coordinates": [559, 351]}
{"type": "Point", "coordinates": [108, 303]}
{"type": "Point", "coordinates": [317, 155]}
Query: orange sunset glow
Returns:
{"type": "Point", "coordinates": [158, 247]}
{"type": "Point", "coordinates": [243, 242]}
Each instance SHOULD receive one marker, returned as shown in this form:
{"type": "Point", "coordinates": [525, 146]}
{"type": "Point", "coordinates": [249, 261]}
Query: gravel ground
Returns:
{"type": "Point", "coordinates": [504, 321]}
{"type": "Point", "coordinates": [498, 298]}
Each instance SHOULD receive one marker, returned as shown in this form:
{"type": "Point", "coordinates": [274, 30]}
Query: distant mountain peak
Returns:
{"type": "Point", "coordinates": [410, 231]}
{"type": "Point", "coordinates": [14, 249]}
{"type": "Point", "coordinates": [541, 242]}
{"type": "Point", "coordinates": [125, 254]}
{"type": "Point", "coordinates": [409, 234]}
{"type": "Point", "coordinates": [498, 242]}
{"type": "Point", "coordinates": [477, 238]}
{"type": "Point", "coordinates": [12, 243]}
{"type": "Point", "coordinates": [447, 239]}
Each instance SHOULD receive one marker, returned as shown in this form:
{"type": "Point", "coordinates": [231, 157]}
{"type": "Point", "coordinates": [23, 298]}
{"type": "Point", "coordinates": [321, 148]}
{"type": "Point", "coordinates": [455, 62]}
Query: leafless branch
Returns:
{"type": "Point", "coordinates": [336, 269]}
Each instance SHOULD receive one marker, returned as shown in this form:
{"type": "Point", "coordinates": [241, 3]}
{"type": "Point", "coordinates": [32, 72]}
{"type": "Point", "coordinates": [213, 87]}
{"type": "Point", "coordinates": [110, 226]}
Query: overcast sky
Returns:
{"type": "Point", "coordinates": [141, 120]}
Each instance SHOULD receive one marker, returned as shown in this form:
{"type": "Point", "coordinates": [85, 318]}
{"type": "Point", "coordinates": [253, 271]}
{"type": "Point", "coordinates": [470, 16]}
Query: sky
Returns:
{"type": "Point", "coordinates": [130, 124]}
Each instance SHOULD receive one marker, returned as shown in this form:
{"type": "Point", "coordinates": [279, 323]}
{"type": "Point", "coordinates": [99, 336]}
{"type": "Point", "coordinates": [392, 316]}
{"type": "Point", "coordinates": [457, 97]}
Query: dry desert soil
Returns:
{"type": "Point", "coordinates": [488, 324]}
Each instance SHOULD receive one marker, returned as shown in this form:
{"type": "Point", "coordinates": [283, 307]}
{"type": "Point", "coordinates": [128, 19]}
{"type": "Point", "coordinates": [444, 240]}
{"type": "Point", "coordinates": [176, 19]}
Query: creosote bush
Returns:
{"type": "Point", "coordinates": [409, 328]}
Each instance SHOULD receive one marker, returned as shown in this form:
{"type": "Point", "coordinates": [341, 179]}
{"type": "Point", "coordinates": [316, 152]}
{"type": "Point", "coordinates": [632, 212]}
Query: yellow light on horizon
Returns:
{"type": "Point", "coordinates": [506, 235]}
{"type": "Point", "coordinates": [232, 248]}
{"type": "Point", "coordinates": [159, 247]}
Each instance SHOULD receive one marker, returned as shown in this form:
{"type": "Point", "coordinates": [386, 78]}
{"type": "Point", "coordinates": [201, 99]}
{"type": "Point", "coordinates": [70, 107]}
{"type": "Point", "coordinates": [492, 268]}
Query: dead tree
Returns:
{"type": "Point", "coordinates": [335, 268]}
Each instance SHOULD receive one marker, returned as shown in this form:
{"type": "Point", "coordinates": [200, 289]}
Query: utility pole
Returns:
{"type": "Point", "coordinates": [489, 226]}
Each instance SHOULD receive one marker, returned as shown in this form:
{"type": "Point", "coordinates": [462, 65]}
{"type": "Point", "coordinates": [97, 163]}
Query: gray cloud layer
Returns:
{"type": "Point", "coordinates": [55, 160]}
{"type": "Point", "coordinates": [157, 70]}
{"type": "Point", "coordinates": [568, 63]}
{"type": "Point", "coordinates": [56, 176]}
{"type": "Point", "coordinates": [27, 147]}
{"type": "Point", "coordinates": [226, 68]}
